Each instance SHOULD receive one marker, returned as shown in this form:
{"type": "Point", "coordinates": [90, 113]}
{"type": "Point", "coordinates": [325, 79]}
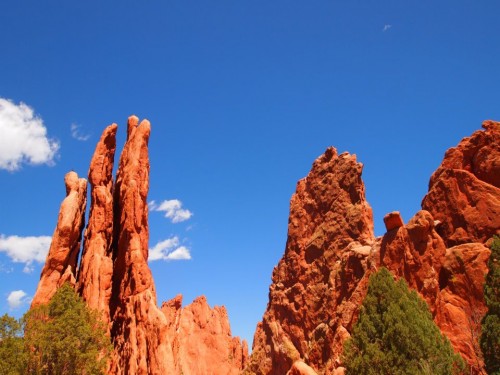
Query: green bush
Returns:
{"type": "Point", "coordinates": [395, 334]}
{"type": "Point", "coordinates": [490, 336]}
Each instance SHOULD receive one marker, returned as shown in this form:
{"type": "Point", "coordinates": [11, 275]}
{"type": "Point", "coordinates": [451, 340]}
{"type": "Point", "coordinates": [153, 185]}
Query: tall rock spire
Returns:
{"type": "Point", "coordinates": [96, 267]}
{"type": "Point", "coordinates": [61, 263]}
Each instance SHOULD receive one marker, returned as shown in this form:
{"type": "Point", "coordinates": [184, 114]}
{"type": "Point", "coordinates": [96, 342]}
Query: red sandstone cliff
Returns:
{"type": "Point", "coordinates": [114, 276]}
{"type": "Point", "coordinates": [321, 280]}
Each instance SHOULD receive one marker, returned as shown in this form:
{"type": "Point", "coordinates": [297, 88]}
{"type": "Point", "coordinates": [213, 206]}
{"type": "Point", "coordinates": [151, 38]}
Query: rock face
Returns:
{"type": "Point", "coordinates": [202, 332]}
{"type": "Point", "coordinates": [61, 263]}
{"type": "Point", "coordinates": [114, 277]}
{"type": "Point", "coordinates": [463, 192]}
{"type": "Point", "coordinates": [311, 300]}
{"type": "Point", "coordinates": [96, 267]}
{"type": "Point", "coordinates": [322, 278]}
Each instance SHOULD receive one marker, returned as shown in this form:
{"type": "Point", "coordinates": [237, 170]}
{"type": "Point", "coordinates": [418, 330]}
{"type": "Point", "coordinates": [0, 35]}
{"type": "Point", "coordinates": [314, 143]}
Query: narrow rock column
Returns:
{"type": "Point", "coordinates": [96, 267]}
{"type": "Point", "coordinates": [63, 254]}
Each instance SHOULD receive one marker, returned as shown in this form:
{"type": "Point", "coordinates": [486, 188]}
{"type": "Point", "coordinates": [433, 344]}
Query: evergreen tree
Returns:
{"type": "Point", "coordinates": [12, 358]}
{"type": "Point", "coordinates": [65, 337]}
{"type": "Point", "coordinates": [395, 334]}
{"type": "Point", "coordinates": [490, 336]}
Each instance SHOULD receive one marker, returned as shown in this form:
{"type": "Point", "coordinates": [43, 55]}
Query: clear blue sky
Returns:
{"type": "Point", "coordinates": [242, 97]}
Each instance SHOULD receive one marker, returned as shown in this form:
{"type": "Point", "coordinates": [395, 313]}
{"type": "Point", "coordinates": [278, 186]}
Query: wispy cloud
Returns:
{"type": "Point", "coordinates": [17, 298]}
{"type": "Point", "coordinates": [386, 27]}
{"type": "Point", "coordinates": [77, 133]}
{"type": "Point", "coordinates": [169, 249]}
{"type": "Point", "coordinates": [173, 210]}
{"type": "Point", "coordinates": [25, 249]}
{"type": "Point", "coordinates": [23, 137]}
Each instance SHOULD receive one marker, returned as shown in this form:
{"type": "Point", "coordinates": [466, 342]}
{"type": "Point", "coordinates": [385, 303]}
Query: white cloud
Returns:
{"type": "Point", "coordinates": [173, 210]}
{"type": "Point", "coordinates": [78, 134]}
{"type": "Point", "coordinates": [169, 249]}
{"type": "Point", "coordinates": [23, 137]}
{"type": "Point", "coordinates": [17, 298]}
{"type": "Point", "coordinates": [386, 27]}
{"type": "Point", "coordinates": [25, 249]}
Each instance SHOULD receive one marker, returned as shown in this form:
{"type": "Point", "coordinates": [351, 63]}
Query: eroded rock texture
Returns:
{"type": "Point", "coordinates": [61, 263]}
{"type": "Point", "coordinates": [322, 278]}
{"type": "Point", "coordinates": [96, 267]}
{"type": "Point", "coordinates": [318, 283]}
{"type": "Point", "coordinates": [463, 192]}
{"type": "Point", "coordinates": [114, 276]}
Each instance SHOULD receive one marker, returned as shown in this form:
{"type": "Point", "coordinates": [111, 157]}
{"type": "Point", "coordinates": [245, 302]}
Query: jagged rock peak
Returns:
{"type": "Point", "coordinates": [329, 228]}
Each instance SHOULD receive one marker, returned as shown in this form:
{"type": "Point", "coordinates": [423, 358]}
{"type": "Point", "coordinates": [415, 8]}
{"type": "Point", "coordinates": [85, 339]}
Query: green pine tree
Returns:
{"type": "Point", "coordinates": [490, 336]}
{"type": "Point", "coordinates": [65, 337]}
{"type": "Point", "coordinates": [395, 334]}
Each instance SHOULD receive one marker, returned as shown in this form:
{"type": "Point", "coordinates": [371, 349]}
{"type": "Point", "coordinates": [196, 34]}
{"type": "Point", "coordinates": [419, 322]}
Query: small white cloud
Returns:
{"type": "Point", "coordinates": [169, 249]}
{"type": "Point", "coordinates": [17, 298]}
{"type": "Point", "coordinates": [25, 249]}
{"type": "Point", "coordinates": [23, 137]}
{"type": "Point", "coordinates": [78, 134]}
{"type": "Point", "coordinates": [173, 210]}
{"type": "Point", "coordinates": [386, 27]}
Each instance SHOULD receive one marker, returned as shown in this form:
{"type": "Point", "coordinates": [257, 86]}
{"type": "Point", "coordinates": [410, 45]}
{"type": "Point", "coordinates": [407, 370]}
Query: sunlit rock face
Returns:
{"type": "Point", "coordinates": [442, 252]}
{"type": "Point", "coordinates": [114, 278]}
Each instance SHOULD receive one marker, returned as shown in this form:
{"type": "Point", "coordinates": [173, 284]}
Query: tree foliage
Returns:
{"type": "Point", "coordinates": [395, 334]}
{"type": "Point", "coordinates": [12, 358]}
{"type": "Point", "coordinates": [490, 336]}
{"type": "Point", "coordinates": [63, 337]}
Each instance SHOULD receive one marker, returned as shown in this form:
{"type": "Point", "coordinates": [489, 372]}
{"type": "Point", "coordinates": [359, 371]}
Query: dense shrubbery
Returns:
{"type": "Point", "coordinates": [61, 338]}
{"type": "Point", "coordinates": [490, 336]}
{"type": "Point", "coordinates": [395, 334]}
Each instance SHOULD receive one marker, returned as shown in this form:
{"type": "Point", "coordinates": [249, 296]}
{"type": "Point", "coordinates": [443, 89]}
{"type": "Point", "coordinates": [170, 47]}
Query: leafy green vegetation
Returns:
{"type": "Point", "coordinates": [63, 337]}
{"type": "Point", "coordinates": [490, 336]}
{"type": "Point", "coordinates": [395, 334]}
{"type": "Point", "coordinates": [12, 359]}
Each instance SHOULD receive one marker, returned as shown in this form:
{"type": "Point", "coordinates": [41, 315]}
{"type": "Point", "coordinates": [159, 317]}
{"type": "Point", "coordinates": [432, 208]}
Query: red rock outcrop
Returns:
{"type": "Point", "coordinates": [96, 267]}
{"type": "Point", "coordinates": [201, 332]}
{"type": "Point", "coordinates": [464, 191]}
{"type": "Point", "coordinates": [322, 278]}
{"type": "Point", "coordinates": [114, 276]}
{"type": "Point", "coordinates": [62, 258]}
{"type": "Point", "coordinates": [315, 289]}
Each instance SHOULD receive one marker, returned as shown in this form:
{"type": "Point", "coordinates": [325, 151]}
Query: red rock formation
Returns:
{"type": "Point", "coordinates": [200, 332]}
{"type": "Point", "coordinates": [96, 267]}
{"type": "Point", "coordinates": [315, 289]}
{"type": "Point", "coordinates": [61, 263]}
{"type": "Point", "coordinates": [114, 276]}
{"type": "Point", "coordinates": [321, 280]}
{"type": "Point", "coordinates": [464, 190]}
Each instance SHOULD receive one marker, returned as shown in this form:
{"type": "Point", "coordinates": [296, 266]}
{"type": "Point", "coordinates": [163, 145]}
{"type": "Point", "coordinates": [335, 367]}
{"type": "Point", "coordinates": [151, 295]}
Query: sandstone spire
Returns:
{"type": "Point", "coordinates": [96, 267]}
{"type": "Point", "coordinates": [62, 258]}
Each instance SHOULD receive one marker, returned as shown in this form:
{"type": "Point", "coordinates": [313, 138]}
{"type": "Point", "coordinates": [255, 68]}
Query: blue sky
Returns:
{"type": "Point", "coordinates": [242, 97]}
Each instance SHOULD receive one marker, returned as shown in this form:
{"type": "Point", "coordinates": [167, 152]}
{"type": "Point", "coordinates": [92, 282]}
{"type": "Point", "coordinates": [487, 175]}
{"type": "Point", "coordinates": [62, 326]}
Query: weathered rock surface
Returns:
{"type": "Point", "coordinates": [201, 332]}
{"type": "Point", "coordinates": [464, 190]}
{"type": "Point", "coordinates": [114, 276]}
{"type": "Point", "coordinates": [96, 267]}
{"type": "Point", "coordinates": [322, 278]}
{"type": "Point", "coordinates": [316, 285]}
{"type": "Point", "coordinates": [62, 258]}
